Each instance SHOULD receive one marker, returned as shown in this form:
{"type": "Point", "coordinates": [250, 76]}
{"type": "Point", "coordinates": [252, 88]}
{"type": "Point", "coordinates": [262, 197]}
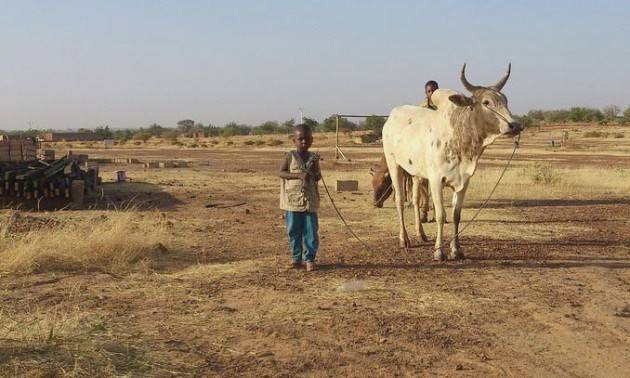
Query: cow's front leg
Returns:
{"type": "Point", "coordinates": [417, 184]}
{"type": "Point", "coordinates": [458, 201]}
{"type": "Point", "coordinates": [438, 208]}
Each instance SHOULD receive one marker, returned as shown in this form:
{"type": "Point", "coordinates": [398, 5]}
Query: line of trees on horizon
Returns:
{"type": "Point", "coordinates": [190, 128]}
{"type": "Point", "coordinates": [577, 114]}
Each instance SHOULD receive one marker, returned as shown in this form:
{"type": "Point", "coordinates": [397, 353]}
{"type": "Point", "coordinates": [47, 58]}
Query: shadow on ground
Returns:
{"type": "Point", "coordinates": [141, 196]}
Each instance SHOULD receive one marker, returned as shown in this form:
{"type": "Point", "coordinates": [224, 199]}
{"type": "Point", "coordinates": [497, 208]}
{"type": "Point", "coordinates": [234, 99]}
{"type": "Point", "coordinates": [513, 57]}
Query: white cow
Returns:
{"type": "Point", "coordinates": [444, 146]}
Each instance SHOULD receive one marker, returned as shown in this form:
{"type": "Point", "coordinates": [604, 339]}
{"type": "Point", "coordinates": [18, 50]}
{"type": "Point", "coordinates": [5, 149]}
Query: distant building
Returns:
{"type": "Point", "coordinates": [70, 137]}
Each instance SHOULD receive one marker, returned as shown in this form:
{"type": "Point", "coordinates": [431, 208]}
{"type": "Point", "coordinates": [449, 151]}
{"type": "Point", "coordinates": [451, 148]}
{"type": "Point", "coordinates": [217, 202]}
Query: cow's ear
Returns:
{"type": "Point", "coordinates": [460, 100]}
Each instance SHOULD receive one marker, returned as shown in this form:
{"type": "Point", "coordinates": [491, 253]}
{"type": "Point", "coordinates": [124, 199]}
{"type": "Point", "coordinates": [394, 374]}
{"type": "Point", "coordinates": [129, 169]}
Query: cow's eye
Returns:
{"type": "Point", "coordinates": [486, 102]}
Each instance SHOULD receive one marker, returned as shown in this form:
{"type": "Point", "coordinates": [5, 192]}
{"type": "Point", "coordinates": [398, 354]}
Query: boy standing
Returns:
{"type": "Point", "coordinates": [299, 197]}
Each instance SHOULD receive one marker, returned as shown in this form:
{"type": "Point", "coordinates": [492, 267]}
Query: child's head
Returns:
{"type": "Point", "coordinates": [430, 87]}
{"type": "Point", "coordinates": [302, 137]}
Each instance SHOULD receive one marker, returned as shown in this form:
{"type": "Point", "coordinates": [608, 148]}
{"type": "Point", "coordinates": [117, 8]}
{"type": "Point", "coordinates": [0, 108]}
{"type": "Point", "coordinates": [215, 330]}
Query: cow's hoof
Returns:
{"type": "Point", "coordinates": [405, 243]}
{"type": "Point", "coordinates": [456, 255]}
{"type": "Point", "coordinates": [439, 255]}
{"type": "Point", "coordinates": [424, 238]}
{"type": "Point", "coordinates": [456, 252]}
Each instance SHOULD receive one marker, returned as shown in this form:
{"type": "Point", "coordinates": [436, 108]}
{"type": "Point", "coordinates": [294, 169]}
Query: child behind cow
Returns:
{"type": "Point", "coordinates": [430, 87]}
{"type": "Point", "coordinates": [299, 197]}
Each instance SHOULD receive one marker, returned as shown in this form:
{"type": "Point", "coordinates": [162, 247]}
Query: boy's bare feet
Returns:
{"type": "Point", "coordinates": [310, 266]}
{"type": "Point", "coordinates": [296, 265]}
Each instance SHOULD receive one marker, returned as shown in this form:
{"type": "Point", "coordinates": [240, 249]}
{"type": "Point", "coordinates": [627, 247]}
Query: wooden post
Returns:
{"type": "Point", "coordinates": [337, 137]}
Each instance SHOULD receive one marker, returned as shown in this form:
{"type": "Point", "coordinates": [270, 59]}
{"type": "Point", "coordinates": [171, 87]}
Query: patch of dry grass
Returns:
{"type": "Point", "coordinates": [39, 326]}
{"type": "Point", "coordinates": [112, 243]}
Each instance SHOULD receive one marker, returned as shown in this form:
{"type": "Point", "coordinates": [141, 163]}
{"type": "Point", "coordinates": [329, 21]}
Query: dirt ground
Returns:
{"type": "Point", "coordinates": [544, 289]}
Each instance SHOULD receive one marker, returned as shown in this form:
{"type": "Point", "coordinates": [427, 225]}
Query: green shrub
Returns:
{"type": "Point", "coordinates": [542, 173]}
{"type": "Point", "coordinates": [619, 135]}
{"type": "Point", "coordinates": [249, 143]}
{"type": "Point", "coordinates": [193, 145]}
{"type": "Point", "coordinates": [260, 142]}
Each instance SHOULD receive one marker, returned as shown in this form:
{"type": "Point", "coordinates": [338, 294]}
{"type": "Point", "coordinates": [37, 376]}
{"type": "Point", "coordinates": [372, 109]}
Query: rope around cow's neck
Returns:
{"type": "Point", "coordinates": [483, 205]}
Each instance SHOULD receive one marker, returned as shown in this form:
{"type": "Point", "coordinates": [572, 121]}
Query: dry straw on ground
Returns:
{"type": "Point", "coordinates": [112, 243]}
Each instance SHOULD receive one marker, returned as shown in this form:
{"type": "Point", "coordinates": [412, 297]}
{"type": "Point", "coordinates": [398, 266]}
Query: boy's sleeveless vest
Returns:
{"type": "Point", "coordinates": [296, 195]}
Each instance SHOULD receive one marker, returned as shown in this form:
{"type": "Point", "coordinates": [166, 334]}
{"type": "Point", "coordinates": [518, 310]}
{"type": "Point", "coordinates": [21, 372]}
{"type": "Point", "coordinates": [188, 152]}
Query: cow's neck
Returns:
{"type": "Point", "coordinates": [471, 135]}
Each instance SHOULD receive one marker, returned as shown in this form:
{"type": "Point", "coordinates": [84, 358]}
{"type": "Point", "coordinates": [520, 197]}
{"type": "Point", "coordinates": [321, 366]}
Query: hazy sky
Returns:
{"type": "Point", "coordinates": [69, 64]}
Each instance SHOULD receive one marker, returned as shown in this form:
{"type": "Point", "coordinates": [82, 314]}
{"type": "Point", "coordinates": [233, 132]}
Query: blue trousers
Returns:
{"type": "Point", "coordinates": [302, 228]}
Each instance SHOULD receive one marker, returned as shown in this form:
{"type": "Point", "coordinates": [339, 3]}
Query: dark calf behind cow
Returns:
{"type": "Point", "coordinates": [382, 186]}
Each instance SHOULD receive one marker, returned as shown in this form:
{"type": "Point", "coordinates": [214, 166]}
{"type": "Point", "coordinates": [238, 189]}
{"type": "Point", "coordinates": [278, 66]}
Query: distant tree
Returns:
{"type": "Point", "coordinates": [552, 116]}
{"type": "Point", "coordinates": [313, 124]}
{"type": "Point", "coordinates": [212, 131]}
{"type": "Point", "coordinates": [527, 120]}
{"type": "Point", "coordinates": [169, 134]}
{"type": "Point", "coordinates": [626, 113]}
{"type": "Point", "coordinates": [374, 123]}
{"type": "Point", "coordinates": [156, 130]}
{"type": "Point", "coordinates": [581, 114]}
{"type": "Point", "coordinates": [123, 135]}
{"type": "Point", "coordinates": [269, 127]}
{"type": "Point", "coordinates": [104, 132]}
{"type": "Point", "coordinates": [610, 112]}
{"type": "Point", "coordinates": [287, 126]}
{"type": "Point", "coordinates": [199, 128]}
{"type": "Point", "coordinates": [142, 135]}
{"type": "Point", "coordinates": [185, 126]}
{"type": "Point", "coordinates": [29, 133]}
{"type": "Point", "coordinates": [538, 115]}
{"type": "Point", "coordinates": [330, 124]}
{"type": "Point", "coordinates": [233, 128]}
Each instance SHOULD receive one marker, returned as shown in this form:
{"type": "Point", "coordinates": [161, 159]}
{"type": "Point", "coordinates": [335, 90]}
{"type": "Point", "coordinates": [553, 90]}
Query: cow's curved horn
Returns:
{"type": "Point", "coordinates": [467, 85]}
{"type": "Point", "coordinates": [498, 86]}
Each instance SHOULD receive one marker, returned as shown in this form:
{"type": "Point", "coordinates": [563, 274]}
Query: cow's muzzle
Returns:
{"type": "Point", "coordinates": [515, 127]}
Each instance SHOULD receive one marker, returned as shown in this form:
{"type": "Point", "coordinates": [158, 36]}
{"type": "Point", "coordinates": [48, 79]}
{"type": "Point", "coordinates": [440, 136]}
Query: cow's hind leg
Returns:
{"type": "Point", "coordinates": [458, 201]}
{"type": "Point", "coordinates": [424, 200]}
{"type": "Point", "coordinates": [397, 176]}
{"type": "Point", "coordinates": [438, 208]}
{"type": "Point", "coordinates": [417, 184]}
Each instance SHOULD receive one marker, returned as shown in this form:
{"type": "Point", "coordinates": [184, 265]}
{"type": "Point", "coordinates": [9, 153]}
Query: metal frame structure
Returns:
{"type": "Point", "coordinates": [338, 151]}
